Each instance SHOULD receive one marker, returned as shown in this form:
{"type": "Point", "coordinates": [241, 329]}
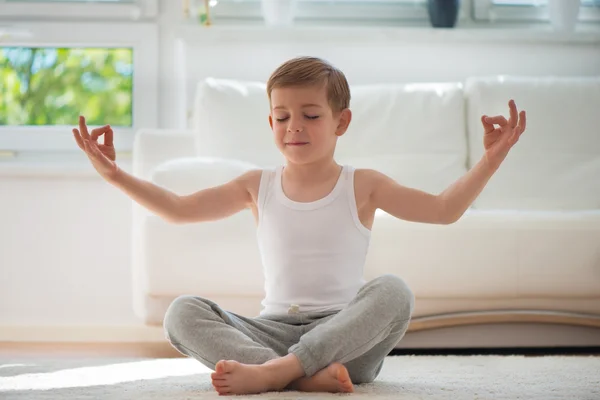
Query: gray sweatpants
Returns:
{"type": "Point", "coordinates": [359, 336]}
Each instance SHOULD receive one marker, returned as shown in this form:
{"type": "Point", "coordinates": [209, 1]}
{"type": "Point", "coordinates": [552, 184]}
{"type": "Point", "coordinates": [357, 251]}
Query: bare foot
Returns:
{"type": "Point", "coordinates": [232, 377]}
{"type": "Point", "coordinates": [333, 379]}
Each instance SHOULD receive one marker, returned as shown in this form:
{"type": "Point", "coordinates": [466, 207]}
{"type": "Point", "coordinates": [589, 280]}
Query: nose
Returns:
{"type": "Point", "coordinates": [294, 126]}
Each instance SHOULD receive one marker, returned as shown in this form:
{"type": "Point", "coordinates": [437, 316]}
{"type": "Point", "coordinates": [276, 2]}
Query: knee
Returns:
{"type": "Point", "coordinates": [396, 294]}
{"type": "Point", "coordinates": [181, 312]}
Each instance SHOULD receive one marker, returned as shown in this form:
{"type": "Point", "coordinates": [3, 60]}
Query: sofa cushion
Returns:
{"type": "Point", "coordinates": [556, 163]}
{"type": "Point", "coordinates": [415, 133]}
{"type": "Point", "coordinates": [231, 120]}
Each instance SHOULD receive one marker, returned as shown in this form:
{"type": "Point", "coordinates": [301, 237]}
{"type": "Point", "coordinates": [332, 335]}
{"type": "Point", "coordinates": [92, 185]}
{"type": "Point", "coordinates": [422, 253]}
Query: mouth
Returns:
{"type": "Point", "coordinates": [296, 143]}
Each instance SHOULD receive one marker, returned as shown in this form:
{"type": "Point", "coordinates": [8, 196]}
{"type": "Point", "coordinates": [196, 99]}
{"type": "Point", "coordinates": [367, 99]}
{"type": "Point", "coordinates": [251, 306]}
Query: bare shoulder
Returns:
{"type": "Point", "coordinates": [250, 181]}
{"type": "Point", "coordinates": [250, 177]}
{"type": "Point", "coordinates": [366, 181]}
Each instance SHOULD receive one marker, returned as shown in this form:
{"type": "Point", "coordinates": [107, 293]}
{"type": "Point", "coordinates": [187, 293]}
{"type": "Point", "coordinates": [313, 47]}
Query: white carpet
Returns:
{"type": "Point", "coordinates": [403, 377]}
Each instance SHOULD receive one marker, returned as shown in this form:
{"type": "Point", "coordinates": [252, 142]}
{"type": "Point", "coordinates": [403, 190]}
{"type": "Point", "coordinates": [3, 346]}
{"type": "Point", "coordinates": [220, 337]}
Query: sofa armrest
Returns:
{"type": "Point", "coordinates": [152, 147]}
{"type": "Point", "coordinates": [186, 175]}
{"type": "Point", "coordinates": [151, 260]}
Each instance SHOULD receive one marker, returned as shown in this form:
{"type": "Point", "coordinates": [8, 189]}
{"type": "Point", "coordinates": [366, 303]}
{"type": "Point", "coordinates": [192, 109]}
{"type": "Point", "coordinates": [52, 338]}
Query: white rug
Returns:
{"type": "Point", "coordinates": [403, 377]}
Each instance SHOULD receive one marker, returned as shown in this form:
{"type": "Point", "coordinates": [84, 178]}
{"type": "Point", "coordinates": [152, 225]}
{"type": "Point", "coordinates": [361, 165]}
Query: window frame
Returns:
{"type": "Point", "coordinates": [47, 10]}
{"type": "Point", "coordinates": [141, 37]}
{"type": "Point", "coordinates": [486, 10]}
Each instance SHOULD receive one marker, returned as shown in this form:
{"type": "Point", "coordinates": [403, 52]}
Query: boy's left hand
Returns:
{"type": "Point", "coordinates": [498, 141]}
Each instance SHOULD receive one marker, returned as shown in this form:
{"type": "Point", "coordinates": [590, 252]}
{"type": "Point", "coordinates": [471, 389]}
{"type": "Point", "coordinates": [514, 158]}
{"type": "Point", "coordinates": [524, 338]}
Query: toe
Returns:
{"type": "Point", "coordinates": [220, 385]}
{"type": "Point", "coordinates": [344, 380]}
{"type": "Point", "coordinates": [224, 390]}
{"type": "Point", "coordinates": [220, 367]}
{"type": "Point", "coordinates": [229, 366]}
{"type": "Point", "coordinates": [216, 376]}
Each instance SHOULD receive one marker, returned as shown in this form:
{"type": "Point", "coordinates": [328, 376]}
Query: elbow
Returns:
{"type": "Point", "coordinates": [174, 219]}
{"type": "Point", "coordinates": [449, 220]}
{"type": "Point", "coordinates": [446, 215]}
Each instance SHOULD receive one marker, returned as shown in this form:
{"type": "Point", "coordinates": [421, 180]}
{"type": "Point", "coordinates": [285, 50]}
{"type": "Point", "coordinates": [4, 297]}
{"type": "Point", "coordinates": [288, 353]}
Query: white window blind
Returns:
{"type": "Point", "coordinates": [527, 10]}
{"type": "Point", "coordinates": [330, 11]}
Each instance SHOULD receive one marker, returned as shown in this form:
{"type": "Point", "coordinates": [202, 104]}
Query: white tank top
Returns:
{"type": "Point", "coordinates": [313, 253]}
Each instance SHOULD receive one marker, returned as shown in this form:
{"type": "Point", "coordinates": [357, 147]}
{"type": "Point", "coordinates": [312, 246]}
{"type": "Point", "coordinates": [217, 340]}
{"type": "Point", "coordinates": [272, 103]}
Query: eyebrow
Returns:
{"type": "Point", "coordinates": [303, 106]}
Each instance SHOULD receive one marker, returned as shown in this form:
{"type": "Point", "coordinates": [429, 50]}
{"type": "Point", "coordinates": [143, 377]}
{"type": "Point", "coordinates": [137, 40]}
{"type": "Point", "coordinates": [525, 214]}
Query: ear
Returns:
{"type": "Point", "coordinates": [343, 121]}
{"type": "Point", "coordinates": [271, 121]}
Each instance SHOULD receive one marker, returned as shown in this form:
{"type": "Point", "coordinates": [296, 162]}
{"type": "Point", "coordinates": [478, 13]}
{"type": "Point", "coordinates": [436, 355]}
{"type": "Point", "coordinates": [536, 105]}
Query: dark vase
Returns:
{"type": "Point", "coordinates": [443, 13]}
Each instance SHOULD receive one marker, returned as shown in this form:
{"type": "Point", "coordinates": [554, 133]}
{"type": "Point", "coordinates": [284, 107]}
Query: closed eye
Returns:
{"type": "Point", "coordinates": [307, 116]}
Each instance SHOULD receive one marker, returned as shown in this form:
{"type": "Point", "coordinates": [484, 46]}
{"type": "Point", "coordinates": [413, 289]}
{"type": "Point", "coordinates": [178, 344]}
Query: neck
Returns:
{"type": "Point", "coordinates": [318, 170]}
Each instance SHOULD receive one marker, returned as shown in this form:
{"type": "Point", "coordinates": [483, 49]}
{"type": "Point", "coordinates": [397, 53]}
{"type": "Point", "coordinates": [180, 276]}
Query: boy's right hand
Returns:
{"type": "Point", "coordinates": [102, 156]}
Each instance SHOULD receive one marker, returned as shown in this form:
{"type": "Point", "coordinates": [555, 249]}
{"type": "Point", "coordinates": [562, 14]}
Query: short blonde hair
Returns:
{"type": "Point", "coordinates": [312, 71]}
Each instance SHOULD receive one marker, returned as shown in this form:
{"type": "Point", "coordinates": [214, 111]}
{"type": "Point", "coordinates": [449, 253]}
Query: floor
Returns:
{"type": "Point", "coordinates": [74, 372]}
{"type": "Point", "coordinates": [147, 350]}
{"type": "Point", "coordinates": [149, 371]}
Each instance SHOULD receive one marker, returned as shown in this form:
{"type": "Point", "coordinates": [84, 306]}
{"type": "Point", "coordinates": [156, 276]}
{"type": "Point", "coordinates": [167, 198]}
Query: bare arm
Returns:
{"type": "Point", "coordinates": [419, 206]}
{"type": "Point", "coordinates": [406, 203]}
{"type": "Point", "coordinates": [219, 201]}
{"type": "Point", "coordinates": [205, 205]}
{"type": "Point", "coordinates": [209, 204]}
{"type": "Point", "coordinates": [462, 193]}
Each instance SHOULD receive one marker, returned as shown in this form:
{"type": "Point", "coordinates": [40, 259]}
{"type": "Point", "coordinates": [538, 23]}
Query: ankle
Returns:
{"type": "Point", "coordinates": [284, 370]}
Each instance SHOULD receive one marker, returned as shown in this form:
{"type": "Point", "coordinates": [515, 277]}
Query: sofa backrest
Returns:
{"type": "Point", "coordinates": [415, 133]}
{"type": "Point", "coordinates": [231, 121]}
{"type": "Point", "coordinates": [556, 163]}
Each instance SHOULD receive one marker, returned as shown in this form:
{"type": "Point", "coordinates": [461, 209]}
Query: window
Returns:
{"type": "Point", "coordinates": [527, 10]}
{"type": "Point", "coordinates": [327, 11]}
{"type": "Point", "coordinates": [77, 9]}
{"type": "Point", "coordinates": [52, 72]}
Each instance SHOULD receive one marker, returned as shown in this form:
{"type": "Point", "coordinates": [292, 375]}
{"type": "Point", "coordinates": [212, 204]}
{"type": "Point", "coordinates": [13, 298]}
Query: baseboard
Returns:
{"type": "Point", "coordinates": [501, 351]}
{"type": "Point", "coordinates": [82, 334]}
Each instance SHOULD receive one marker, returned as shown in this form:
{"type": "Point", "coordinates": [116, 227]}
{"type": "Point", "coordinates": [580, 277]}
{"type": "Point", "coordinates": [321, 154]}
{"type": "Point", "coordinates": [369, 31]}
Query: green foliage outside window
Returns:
{"type": "Point", "coordinates": [53, 86]}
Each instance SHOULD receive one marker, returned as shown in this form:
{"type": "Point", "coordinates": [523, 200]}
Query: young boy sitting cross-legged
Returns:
{"type": "Point", "coordinates": [322, 327]}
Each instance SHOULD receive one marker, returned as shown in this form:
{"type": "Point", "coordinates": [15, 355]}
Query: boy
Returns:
{"type": "Point", "coordinates": [322, 327]}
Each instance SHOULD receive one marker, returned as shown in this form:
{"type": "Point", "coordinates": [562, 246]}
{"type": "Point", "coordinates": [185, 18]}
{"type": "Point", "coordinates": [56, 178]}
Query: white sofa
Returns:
{"type": "Point", "coordinates": [520, 268]}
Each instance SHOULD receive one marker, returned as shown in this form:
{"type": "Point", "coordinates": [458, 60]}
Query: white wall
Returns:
{"type": "Point", "coordinates": [65, 252]}
{"type": "Point", "coordinates": [65, 234]}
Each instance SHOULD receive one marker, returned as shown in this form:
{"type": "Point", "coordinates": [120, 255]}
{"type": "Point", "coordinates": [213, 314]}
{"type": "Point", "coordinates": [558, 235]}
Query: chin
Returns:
{"type": "Point", "coordinates": [297, 160]}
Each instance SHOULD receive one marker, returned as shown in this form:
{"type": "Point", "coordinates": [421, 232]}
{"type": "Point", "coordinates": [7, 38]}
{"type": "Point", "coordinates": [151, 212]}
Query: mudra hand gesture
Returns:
{"type": "Point", "coordinates": [498, 141]}
{"type": "Point", "coordinates": [102, 155]}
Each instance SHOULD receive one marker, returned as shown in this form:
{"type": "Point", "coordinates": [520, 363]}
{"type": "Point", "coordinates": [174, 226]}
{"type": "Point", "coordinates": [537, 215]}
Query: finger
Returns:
{"type": "Point", "coordinates": [487, 127]}
{"type": "Point", "coordinates": [96, 133]}
{"type": "Point", "coordinates": [78, 139]}
{"type": "Point", "coordinates": [515, 136]}
{"type": "Point", "coordinates": [522, 121]}
{"type": "Point", "coordinates": [108, 137]}
{"type": "Point", "coordinates": [499, 120]}
{"type": "Point", "coordinates": [83, 128]}
{"type": "Point", "coordinates": [514, 117]}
